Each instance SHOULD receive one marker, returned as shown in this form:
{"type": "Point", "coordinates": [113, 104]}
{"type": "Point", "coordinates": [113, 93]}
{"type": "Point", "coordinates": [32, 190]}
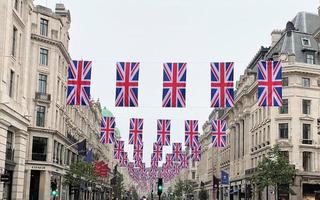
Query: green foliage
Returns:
{"type": "Point", "coordinates": [135, 195]}
{"type": "Point", "coordinates": [79, 170]}
{"type": "Point", "coordinates": [273, 170]}
{"type": "Point", "coordinates": [203, 194]}
{"type": "Point", "coordinates": [118, 187]}
{"type": "Point", "coordinates": [178, 189]}
{"type": "Point", "coordinates": [188, 187]}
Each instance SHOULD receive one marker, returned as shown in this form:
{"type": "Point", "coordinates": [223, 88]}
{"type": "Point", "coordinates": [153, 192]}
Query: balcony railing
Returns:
{"type": "Point", "coordinates": [307, 141]}
{"type": "Point", "coordinates": [9, 154]}
{"type": "Point", "coordinates": [43, 96]}
{"type": "Point", "coordinates": [39, 156]}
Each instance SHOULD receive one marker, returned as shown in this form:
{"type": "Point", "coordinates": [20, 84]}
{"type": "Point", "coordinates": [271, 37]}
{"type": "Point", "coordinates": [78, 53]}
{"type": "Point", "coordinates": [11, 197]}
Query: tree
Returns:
{"type": "Point", "coordinates": [135, 195]}
{"type": "Point", "coordinates": [203, 194]}
{"type": "Point", "coordinates": [273, 170]}
{"type": "Point", "coordinates": [118, 187]}
{"type": "Point", "coordinates": [170, 192]}
{"type": "Point", "coordinates": [80, 170]}
{"type": "Point", "coordinates": [188, 187]}
{"type": "Point", "coordinates": [178, 189]}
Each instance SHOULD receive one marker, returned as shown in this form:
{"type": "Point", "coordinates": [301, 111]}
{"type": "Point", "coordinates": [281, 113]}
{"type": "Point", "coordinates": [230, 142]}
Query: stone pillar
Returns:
{"type": "Point", "coordinates": [27, 177]}
{"type": "Point", "coordinates": [3, 141]}
{"type": "Point", "coordinates": [19, 158]}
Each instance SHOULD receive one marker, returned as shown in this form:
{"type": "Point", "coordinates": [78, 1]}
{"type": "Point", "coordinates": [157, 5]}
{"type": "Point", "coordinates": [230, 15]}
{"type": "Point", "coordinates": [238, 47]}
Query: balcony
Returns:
{"type": "Point", "coordinates": [9, 154]}
{"type": "Point", "coordinates": [43, 97]}
{"type": "Point", "coordinates": [39, 156]}
{"type": "Point", "coordinates": [307, 141]}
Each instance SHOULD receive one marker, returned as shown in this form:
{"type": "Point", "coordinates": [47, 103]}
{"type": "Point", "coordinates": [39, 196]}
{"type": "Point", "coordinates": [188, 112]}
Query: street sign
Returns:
{"type": "Point", "coordinates": [5, 178]}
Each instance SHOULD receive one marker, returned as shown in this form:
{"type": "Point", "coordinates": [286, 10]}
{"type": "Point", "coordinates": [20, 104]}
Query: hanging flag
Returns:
{"type": "Point", "coordinates": [135, 134]}
{"type": "Point", "coordinates": [224, 178]}
{"type": "Point", "coordinates": [107, 130]}
{"type": "Point", "coordinates": [218, 133]}
{"type": "Point", "coordinates": [104, 169]}
{"type": "Point", "coordinates": [176, 150]}
{"type": "Point", "coordinates": [124, 159]}
{"type": "Point", "coordinates": [269, 83]}
{"type": "Point", "coordinates": [174, 85]}
{"type": "Point", "coordinates": [157, 150]}
{"type": "Point", "coordinates": [222, 93]}
{"type": "Point", "coordinates": [163, 132]}
{"type": "Point", "coordinates": [184, 160]}
{"type": "Point", "coordinates": [196, 153]}
{"type": "Point", "coordinates": [138, 152]}
{"type": "Point", "coordinates": [169, 160]}
{"type": "Point", "coordinates": [89, 156]}
{"type": "Point", "coordinates": [118, 149]}
{"type": "Point", "coordinates": [82, 147]}
{"type": "Point", "coordinates": [79, 80]}
{"type": "Point", "coordinates": [191, 133]}
{"type": "Point", "coordinates": [98, 167]}
{"type": "Point", "coordinates": [127, 84]}
{"type": "Point", "coordinates": [154, 160]}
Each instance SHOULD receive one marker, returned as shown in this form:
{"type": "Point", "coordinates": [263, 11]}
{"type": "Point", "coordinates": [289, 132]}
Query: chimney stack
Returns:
{"type": "Point", "coordinates": [275, 36]}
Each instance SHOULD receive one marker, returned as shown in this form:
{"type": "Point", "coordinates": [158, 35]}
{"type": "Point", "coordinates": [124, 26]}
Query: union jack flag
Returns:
{"type": "Point", "coordinates": [184, 160]}
{"type": "Point", "coordinates": [191, 133]}
{"type": "Point", "coordinates": [157, 150]}
{"type": "Point", "coordinates": [176, 150]}
{"type": "Point", "coordinates": [118, 149]}
{"type": "Point", "coordinates": [196, 153]}
{"type": "Point", "coordinates": [163, 132]}
{"type": "Point", "coordinates": [138, 163]}
{"type": "Point", "coordinates": [169, 160]}
{"type": "Point", "coordinates": [124, 159]}
{"type": "Point", "coordinates": [176, 168]}
{"type": "Point", "coordinates": [218, 132]}
{"type": "Point", "coordinates": [107, 130]}
{"type": "Point", "coordinates": [79, 80]}
{"type": "Point", "coordinates": [269, 83]}
{"type": "Point", "coordinates": [135, 134]}
{"type": "Point", "coordinates": [222, 93]}
{"type": "Point", "coordinates": [174, 84]}
{"type": "Point", "coordinates": [127, 84]}
{"type": "Point", "coordinates": [138, 152]}
{"type": "Point", "coordinates": [154, 160]}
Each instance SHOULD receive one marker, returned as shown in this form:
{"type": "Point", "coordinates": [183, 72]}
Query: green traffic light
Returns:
{"type": "Point", "coordinates": [160, 187]}
{"type": "Point", "coordinates": [54, 193]}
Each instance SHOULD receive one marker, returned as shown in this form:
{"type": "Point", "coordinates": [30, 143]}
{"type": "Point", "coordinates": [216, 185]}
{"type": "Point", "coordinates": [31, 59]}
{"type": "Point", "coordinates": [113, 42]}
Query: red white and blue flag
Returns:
{"type": "Point", "coordinates": [169, 160]}
{"type": "Point", "coordinates": [157, 150]}
{"type": "Point", "coordinates": [269, 83]}
{"type": "Point", "coordinates": [79, 80]}
{"type": "Point", "coordinates": [176, 151]}
{"type": "Point", "coordinates": [124, 159]}
{"type": "Point", "coordinates": [138, 152]}
{"type": "Point", "coordinates": [191, 133]}
{"type": "Point", "coordinates": [154, 160]}
{"type": "Point", "coordinates": [196, 153]}
{"type": "Point", "coordinates": [184, 160]}
{"type": "Point", "coordinates": [222, 93]}
{"type": "Point", "coordinates": [107, 130]}
{"type": "Point", "coordinates": [127, 84]}
{"type": "Point", "coordinates": [174, 84]}
{"type": "Point", "coordinates": [135, 132]}
{"type": "Point", "coordinates": [163, 132]}
{"type": "Point", "coordinates": [219, 133]}
{"type": "Point", "coordinates": [118, 149]}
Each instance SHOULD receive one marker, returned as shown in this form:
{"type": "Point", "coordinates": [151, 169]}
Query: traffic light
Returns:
{"type": "Point", "coordinates": [54, 188]}
{"type": "Point", "coordinates": [160, 186]}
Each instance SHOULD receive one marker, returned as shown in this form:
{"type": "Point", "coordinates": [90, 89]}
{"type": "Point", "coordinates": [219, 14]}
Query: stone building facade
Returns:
{"type": "Point", "coordinates": [253, 130]}
{"type": "Point", "coordinates": [38, 131]}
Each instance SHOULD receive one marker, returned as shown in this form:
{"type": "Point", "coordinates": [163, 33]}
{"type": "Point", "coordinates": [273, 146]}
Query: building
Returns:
{"type": "Point", "coordinates": [39, 132]}
{"type": "Point", "coordinates": [252, 130]}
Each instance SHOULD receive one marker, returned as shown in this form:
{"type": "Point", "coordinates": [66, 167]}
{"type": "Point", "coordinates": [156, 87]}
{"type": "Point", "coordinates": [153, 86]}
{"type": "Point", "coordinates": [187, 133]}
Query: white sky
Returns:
{"type": "Point", "coordinates": [155, 31]}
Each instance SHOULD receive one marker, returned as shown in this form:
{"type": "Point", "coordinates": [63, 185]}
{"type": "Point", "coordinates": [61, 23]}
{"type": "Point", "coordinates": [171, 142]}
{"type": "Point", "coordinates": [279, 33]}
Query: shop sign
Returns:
{"type": "Point", "coordinates": [5, 178]}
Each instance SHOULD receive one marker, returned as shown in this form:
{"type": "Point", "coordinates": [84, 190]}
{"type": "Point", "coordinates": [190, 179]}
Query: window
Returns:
{"type": "Point", "coordinates": [9, 146]}
{"type": "Point", "coordinates": [14, 41]}
{"type": "Point", "coordinates": [306, 134]}
{"type": "Point", "coordinates": [40, 116]}
{"type": "Point", "coordinates": [11, 84]}
{"type": "Point", "coordinates": [43, 56]}
{"type": "Point", "coordinates": [284, 108]}
{"type": "Point", "coordinates": [193, 175]}
{"type": "Point", "coordinates": [305, 82]}
{"type": "Point", "coordinates": [283, 130]}
{"type": "Point", "coordinates": [42, 87]}
{"type": "Point", "coordinates": [310, 58]}
{"type": "Point", "coordinates": [39, 149]}
{"type": "Point", "coordinates": [285, 81]}
{"type": "Point", "coordinates": [306, 161]}
{"type": "Point", "coordinates": [305, 42]}
{"type": "Point", "coordinates": [306, 105]}
{"type": "Point", "coordinates": [43, 27]}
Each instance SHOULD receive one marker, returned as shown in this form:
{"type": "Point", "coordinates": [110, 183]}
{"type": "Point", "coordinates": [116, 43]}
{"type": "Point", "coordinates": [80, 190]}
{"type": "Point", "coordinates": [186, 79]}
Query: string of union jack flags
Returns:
{"type": "Point", "coordinates": [173, 96]}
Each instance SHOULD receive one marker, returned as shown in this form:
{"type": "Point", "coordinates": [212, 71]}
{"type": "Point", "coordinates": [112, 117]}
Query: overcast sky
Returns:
{"type": "Point", "coordinates": [155, 31]}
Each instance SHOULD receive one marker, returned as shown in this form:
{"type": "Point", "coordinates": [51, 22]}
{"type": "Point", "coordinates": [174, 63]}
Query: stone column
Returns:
{"type": "Point", "coordinates": [19, 158]}
{"type": "Point", "coordinates": [3, 141]}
